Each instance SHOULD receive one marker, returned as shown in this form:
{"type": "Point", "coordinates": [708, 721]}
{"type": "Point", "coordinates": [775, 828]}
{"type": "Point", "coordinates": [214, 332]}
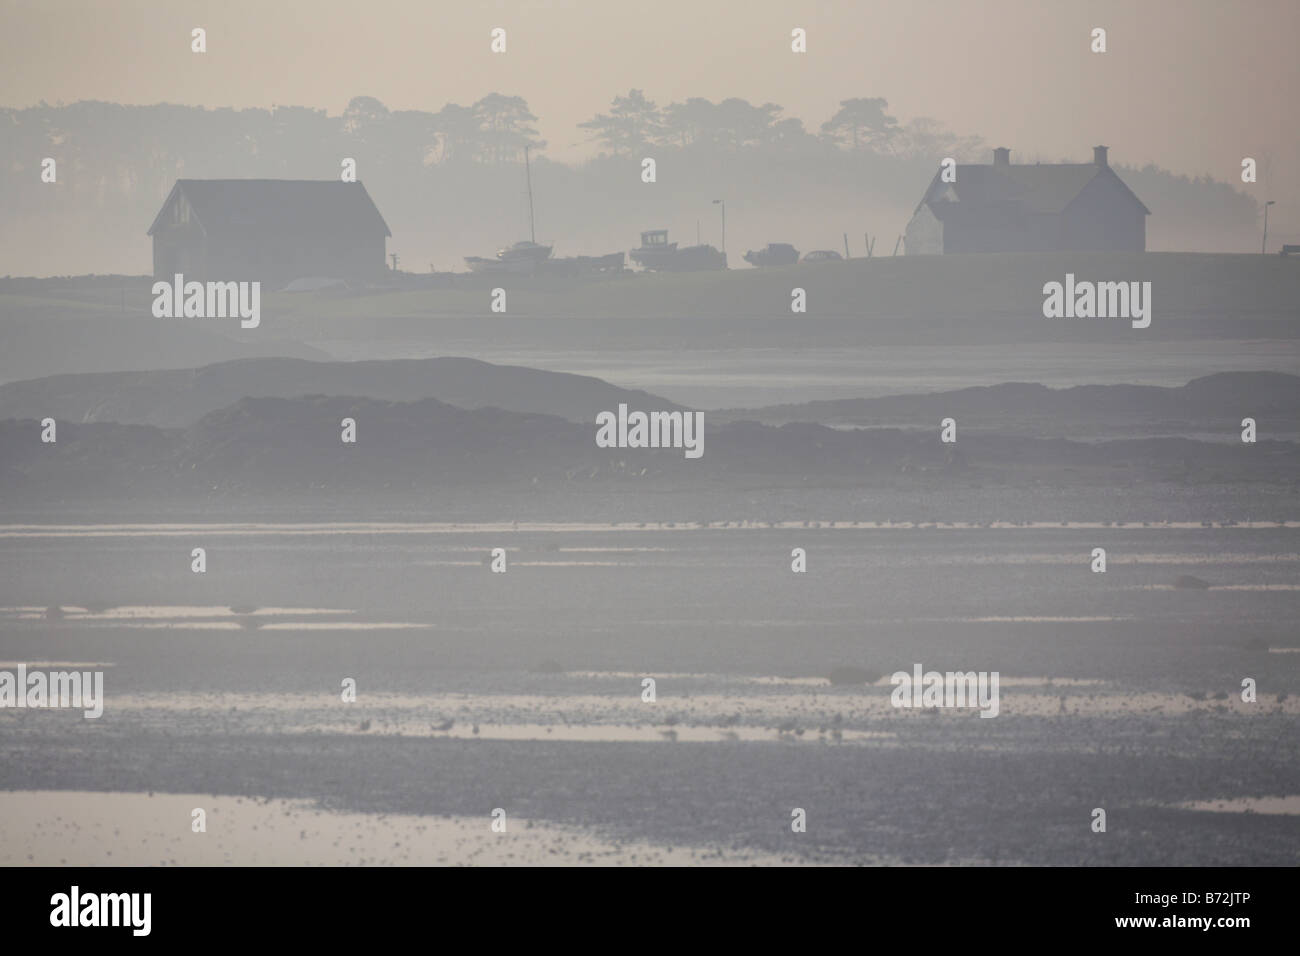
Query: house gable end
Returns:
{"type": "Point", "coordinates": [929, 192]}
{"type": "Point", "coordinates": [379, 215]}
{"type": "Point", "coordinates": [1115, 177]}
{"type": "Point", "coordinates": [166, 208]}
{"type": "Point", "coordinates": [1108, 182]}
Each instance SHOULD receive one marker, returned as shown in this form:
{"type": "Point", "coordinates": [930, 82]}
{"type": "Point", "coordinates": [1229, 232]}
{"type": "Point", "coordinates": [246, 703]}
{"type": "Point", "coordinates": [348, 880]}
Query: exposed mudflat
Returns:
{"type": "Point", "coordinates": [523, 691]}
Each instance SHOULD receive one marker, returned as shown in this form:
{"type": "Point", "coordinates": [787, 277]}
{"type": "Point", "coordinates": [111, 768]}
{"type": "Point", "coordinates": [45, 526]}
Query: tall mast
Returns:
{"type": "Point", "coordinates": [528, 173]}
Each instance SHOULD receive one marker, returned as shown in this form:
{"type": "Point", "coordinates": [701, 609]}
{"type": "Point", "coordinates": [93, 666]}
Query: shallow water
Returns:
{"type": "Point", "coordinates": [750, 377]}
{"type": "Point", "coordinates": [500, 527]}
{"type": "Point", "coordinates": [1114, 682]}
{"type": "Point", "coordinates": [1289, 806]}
{"type": "Point", "coordinates": [80, 828]}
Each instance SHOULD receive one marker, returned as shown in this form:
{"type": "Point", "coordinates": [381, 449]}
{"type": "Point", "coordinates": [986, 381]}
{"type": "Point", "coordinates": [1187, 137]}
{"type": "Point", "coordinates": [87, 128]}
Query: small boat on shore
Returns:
{"type": "Point", "coordinates": [774, 254]}
{"type": "Point", "coordinates": [522, 257]}
{"type": "Point", "coordinates": [658, 254]}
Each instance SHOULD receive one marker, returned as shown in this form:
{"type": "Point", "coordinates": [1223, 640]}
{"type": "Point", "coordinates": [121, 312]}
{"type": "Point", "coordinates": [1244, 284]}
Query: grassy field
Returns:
{"type": "Point", "coordinates": [932, 301]}
{"type": "Point", "coordinates": [916, 285]}
{"type": "Point", "coordinates": [903, 285]}
{"type": "Point", "coordinates": [918, 300]}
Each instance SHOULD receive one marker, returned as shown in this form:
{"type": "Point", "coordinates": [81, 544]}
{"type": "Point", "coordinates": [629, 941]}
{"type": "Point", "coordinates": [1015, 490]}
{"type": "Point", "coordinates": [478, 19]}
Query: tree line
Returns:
{"type": "Point", "coordinates": [118, 147]}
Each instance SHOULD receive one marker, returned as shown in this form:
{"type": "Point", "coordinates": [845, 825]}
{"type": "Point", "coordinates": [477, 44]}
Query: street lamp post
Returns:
{"type": "Point", "coordinates": [723, 203]}
{"type": "Point", "coordinates": [1263, 246]}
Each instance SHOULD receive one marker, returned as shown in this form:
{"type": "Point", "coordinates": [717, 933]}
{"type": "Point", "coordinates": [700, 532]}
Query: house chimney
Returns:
{"type": "Point", "coordinates": [1001, 156]}
{"type": "Point", "coordinates": [1099, 155]}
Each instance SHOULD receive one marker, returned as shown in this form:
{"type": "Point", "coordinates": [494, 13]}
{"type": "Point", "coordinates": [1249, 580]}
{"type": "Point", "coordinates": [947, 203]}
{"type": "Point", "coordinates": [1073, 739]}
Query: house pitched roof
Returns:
{"type": "Point", "coordinates": [276, 205]}
{"type": "Point", "coordinates": [1040, 188]}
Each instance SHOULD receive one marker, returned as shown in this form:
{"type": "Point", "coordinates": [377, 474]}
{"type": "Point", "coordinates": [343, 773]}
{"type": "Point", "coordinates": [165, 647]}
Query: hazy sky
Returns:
{"type": "Point", "coordinates": [1192, 85]}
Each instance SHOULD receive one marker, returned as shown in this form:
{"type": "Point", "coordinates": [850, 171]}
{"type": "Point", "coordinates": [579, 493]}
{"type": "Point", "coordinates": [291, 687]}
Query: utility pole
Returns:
{"type": "Point", "coordinates": [724, 225]}
{"type": "Point", "coordinates": [528, 174]}
{"type": "Point", "coordinates": [1263, 246]}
